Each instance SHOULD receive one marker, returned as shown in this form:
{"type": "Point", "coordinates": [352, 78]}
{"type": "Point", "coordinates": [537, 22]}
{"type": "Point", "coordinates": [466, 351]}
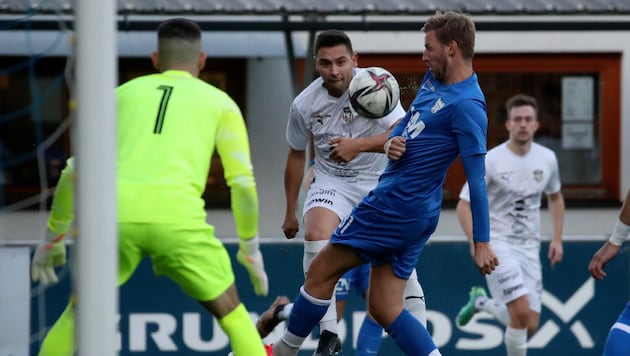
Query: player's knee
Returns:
{"type": "Point", "coordinates": [520, 319]}
{"type": "Point", "coordinates": [531, 329]}
{"type": "Point", "coordinates": [317, 235]}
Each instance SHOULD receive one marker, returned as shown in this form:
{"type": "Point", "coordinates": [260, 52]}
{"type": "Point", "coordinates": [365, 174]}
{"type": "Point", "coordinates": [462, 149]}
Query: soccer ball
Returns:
{"type": "Point", "coordinates": [373, 92]}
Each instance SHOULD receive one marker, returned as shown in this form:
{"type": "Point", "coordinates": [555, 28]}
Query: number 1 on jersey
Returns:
{"type": "Point", "coordinates": [159, 119]}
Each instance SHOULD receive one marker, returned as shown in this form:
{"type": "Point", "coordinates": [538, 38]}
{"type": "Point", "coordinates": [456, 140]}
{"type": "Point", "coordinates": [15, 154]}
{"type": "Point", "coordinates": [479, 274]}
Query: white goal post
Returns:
{"type": "Point", "coordinates": [95, 150]}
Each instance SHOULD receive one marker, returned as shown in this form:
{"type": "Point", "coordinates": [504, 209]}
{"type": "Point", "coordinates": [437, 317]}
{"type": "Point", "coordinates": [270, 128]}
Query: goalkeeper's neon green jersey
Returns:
{"type": "Point", "coordinates": [61, 212]}
{"type": "Point", "coordinates": [168, 127]}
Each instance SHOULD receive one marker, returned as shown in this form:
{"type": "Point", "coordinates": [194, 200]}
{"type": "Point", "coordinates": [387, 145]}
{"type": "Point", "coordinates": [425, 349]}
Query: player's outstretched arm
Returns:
{"type": "Point", "coordinates": [51, 251]}
{"type": "Point", "coordinates": [395, 147]}
{"type": "Point", "coordinates": [347, 148]}
{"type": "Point", "coordinates": [251, 258]}
{"type": "Point", "coordinates": [233, 146]}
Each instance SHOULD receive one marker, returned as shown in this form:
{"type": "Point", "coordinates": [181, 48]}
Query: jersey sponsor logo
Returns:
{"type": "Point", "coordinates": [321, 201]}
{"type": "Point", "coordinates": [510, 290]}
{"type": "Point", "coordinates": [346, 115]}
{"type": "Point", "coordinates": [346, 172]}
{"type": "Point", "coordinates": [414, 127]}
{"type": "Point", "coordinates": [342, 286]}
{"type": "Point", "coordinates": [507, 277]}
{"type": "Point", "coordinates": [439, 104]}
{"type": "Point", "coordinates": [322, 191]}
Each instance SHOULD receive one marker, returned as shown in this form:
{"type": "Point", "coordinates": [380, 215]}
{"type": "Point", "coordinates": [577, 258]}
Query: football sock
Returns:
{"type": "Point", "coordinates": [411, 336]}
{"type": "Point", "coordinates": [307, 311]}
{"type": "Point", "coordinates": [516, 342]}
{"type": "Point", "coordinates": [241, 331]}
{"type": "Point", "coordinates": [497, 309]}
{"type": "Point", "coordinates": [60, 338]}
{"type": "Point", "coordinates": [329, 320]}
{"type": "Point", "coordinates": [311, 249]}
{"type": "Point", "coordinates": [369, 338]}
{"type": "Point", "coordinates": [413, 299]}
{"type": "Point", "coordinates": [619, 336]}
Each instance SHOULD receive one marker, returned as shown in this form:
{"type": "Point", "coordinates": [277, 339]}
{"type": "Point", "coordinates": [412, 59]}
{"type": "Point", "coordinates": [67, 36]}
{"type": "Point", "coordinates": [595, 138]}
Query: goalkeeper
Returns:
{"type": "Point", "coordinates": [169, 125]}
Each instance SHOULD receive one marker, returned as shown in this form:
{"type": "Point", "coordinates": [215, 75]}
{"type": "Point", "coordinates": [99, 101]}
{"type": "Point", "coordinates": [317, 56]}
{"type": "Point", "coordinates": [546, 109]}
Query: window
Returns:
{"type": "Point", "coordinates": [31, 110]}
{"type": "Point", "coordinates": [579, 109]}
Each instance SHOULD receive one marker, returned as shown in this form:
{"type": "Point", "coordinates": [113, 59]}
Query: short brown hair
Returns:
{"type": "Point", "coordinates": [519, 100]}
{"type": "Point", "coordinates": [453, 26]}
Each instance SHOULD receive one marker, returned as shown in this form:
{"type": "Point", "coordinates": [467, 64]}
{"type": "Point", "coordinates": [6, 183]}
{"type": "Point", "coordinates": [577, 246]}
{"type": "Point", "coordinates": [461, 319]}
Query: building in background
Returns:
{"type": "Point", "coordinates": [573, 57]}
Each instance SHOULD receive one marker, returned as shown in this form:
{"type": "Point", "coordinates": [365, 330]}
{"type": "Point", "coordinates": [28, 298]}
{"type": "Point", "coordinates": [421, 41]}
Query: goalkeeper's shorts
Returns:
{"type": "Point", "coordinates": [191, 256]}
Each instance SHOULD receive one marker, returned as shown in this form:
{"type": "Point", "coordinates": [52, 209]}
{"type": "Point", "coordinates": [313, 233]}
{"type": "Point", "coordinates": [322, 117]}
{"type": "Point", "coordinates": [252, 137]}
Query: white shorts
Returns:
{"type": "Point", "coordinates": [519, 273]}
{"type": "Point", "coordinates": [336, 194]}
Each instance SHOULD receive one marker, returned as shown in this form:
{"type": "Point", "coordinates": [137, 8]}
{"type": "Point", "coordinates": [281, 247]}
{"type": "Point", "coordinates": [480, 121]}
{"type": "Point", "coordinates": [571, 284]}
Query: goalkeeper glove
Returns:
{"type": "Point", "coordinates": [250, 257]}
{"type": "Point", "coordinates": [50, 253]}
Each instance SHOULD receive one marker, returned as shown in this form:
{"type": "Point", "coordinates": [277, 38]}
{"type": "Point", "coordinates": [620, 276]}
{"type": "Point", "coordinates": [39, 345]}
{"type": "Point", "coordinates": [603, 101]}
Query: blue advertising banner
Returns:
{"type": "Point", "coordinates": [156, 317]}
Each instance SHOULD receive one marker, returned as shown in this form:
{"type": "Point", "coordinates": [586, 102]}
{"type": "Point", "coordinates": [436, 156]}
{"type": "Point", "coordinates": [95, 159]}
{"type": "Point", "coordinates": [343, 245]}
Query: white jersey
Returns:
{"type": "Point", "coordinates": [515, 185]}
{"type": "Point", "coordinates": [315, 112]}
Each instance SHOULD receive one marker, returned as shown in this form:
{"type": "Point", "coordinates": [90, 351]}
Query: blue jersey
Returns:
{"type": "Point", "coordinates": [392, 224]}
{"type": "Point", "coordinates": [443, 122]}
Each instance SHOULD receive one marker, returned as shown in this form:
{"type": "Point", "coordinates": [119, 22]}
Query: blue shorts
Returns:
{"type": "Point", "coordinates": [380, 235]}
{"type": "Point", "coordinates": [356, 279]}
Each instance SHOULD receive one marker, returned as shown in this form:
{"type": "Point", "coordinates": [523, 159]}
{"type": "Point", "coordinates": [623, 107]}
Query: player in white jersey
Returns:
{"type": "Point", "coordinates": [347, 163]}
{"type": "Point", "coordinates": [518, 172]}
{"type": "Point", "coordinates": [618, 341]}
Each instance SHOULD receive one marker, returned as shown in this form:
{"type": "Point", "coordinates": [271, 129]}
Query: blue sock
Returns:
{"type": "Point", "coordinates": [306, 314]}
{"type": "Point", "coordinates": [619, 335]}
{"type": "Point", "coordinates": [370, 336]}
{"type": "Point", "coordinates": [410, 335]}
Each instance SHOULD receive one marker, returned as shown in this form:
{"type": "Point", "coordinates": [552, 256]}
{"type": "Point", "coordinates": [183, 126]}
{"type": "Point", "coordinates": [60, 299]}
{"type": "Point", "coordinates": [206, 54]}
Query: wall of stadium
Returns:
{"type": "Point", "coordinates": [156, 316]}
{"type": "Point", "coordinates": [268, 69]}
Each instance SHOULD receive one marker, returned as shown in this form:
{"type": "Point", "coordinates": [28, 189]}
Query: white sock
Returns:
{"type": "Point", "coordinates": [285, 313]}
{"type": "Point", "coordinates": [285, 347]}
{"type": "Point", "coordinates": [413, 299]}
{"type": "Point", "coordinates": [498, 310]}
{"type": "Point", "coordinates": [516, 342]}
{"type": "Point", "coordinates": [311, 249]}
{"type": "Point", "coordinates": [329, 320]}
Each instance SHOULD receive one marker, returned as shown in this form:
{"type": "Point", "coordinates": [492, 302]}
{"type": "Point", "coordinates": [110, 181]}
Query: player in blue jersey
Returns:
{"type": "Point", "coordinates": [618, 341]}
{"type": "Point", "coordinates": [391, 225]}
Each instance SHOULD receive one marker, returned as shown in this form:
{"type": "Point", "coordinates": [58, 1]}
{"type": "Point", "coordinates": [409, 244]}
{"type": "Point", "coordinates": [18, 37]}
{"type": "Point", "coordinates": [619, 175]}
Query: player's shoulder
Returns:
{"type": "Point", "coordinates": [499, 150]}
{"type": "Point", "coordinates": [309, 97]}
{"type": "Point", "coordinates": [311, 92]}
{"type": "Point", "coordinates": [542, 151]}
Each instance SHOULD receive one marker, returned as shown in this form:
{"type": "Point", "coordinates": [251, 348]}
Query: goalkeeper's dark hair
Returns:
{"type": "Point", "coordinates": [519, 100]}
{"type": "Point", "coordinates": [180, 29]}
{"type": "Point", "coordinates": [179, 43]}
{"type": "Point", "coordinates": [331, 38]}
